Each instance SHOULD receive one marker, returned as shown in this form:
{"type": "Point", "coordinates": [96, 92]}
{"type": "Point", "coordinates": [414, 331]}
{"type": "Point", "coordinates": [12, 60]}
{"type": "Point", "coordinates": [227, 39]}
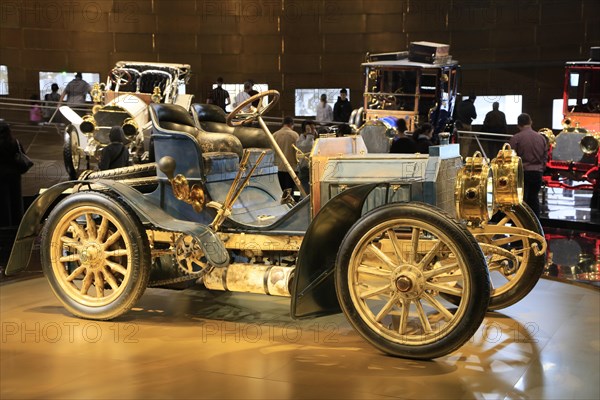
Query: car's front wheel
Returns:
{"type": "Point", "coordinates": [71, 152]}
{"type": "Point", "coordinates": [393, 268]}
{"type": "Point", "coordinates": [95, 254]}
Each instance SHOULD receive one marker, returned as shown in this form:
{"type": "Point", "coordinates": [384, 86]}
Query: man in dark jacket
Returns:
{"type": "Point", "coordinates": [115, 155]}
{"type": "Point", "coordinates": [342, 108]}
{"type": "Point", "coordinates": [531, 147]}
{"type": "Point", "coordinates": [495, 120]}
{"type": "Point", "coordinates": [466, 113]}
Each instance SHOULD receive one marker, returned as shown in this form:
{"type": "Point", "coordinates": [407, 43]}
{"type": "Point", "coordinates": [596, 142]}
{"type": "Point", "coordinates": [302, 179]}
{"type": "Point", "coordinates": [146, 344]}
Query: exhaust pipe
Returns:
{"type": "Point", "coordinates": [250, 278]}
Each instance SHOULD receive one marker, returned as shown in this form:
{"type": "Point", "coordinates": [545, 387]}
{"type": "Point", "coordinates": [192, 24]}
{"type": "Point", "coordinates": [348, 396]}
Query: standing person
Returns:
{"type": "Point", "coordinates": [11, 203]}
{"type": "Point", "coordinates": [76, 90]}
{"type": "Point", "coordinates": [219, 96]}
{"type": "Point", "coordinates": [285, 138]}
{"type": "Point", "coordinates": [342, 107]}
{"type": "Point", "coordinates": [531, 147]}
{"type": "Point", "coordinates": [243, 96]}
{"type": "Point", "coordinates": [402, 142]}
{"type": "Point", "coordinates": [51, 99]}
{"type": "Point", "coordinates": [305, 144]}
{"type": "Point", "coordinates": [115, 155]}
{"type": "Point", "coordinates": [324, 110]}
{"type": "Point", "coordinates": [495, 120]}
{"type": "Point", "coordinates": [466, 113]}
{"type": "Point", "coordinates": [35, 113]}
{"type": "Point", "coordinates": [422, 137]}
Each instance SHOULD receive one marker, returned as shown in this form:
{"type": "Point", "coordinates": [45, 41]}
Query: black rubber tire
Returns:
{"type": "Point", "coordinates": [139, 255]}
{"type": "Point", "coordinates": [525, 218]}
{"type": "Point", "coordinates": [472, 263]}
{"type": "Point", "coordinates": [72, 170]}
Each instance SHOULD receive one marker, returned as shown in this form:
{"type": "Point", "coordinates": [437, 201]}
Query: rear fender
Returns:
{"type": "Point", "coordinates": [314, 287]}
{"type": "Point", "coordinates": [149, 212]}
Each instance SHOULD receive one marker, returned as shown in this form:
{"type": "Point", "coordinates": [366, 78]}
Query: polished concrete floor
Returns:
{"type": "Point", "coordinates": [200, 344]}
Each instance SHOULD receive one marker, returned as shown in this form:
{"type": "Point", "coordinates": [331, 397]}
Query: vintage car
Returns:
{"type": "Point", "coordinates": [403, 245]}
{"type": "Point", "coordinates": [418, 85]}
{"type": "Point", "coordinates": [122, 101]}
{"type": "Point", "coordinates": [573, 156]}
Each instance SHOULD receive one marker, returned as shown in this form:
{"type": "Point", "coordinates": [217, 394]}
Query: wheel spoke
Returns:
{"type": "Point", "coordinates": [438, 306]}
{"type": "Point", "coordinates": [453, 290]}
{"type": "Point", "coordinates": [430, 255]}
{"type": "Point", "coordinates": [77, 230]}
{"type": "Point", "coordinates": [368, 270]}
{"type": "Point", "coordinates": [116, 267]}
{"type": "Point", "coordinates": [386, 309]}
{"type": "Point", "coordinates": [102, 229]}
{"type": "Point", "coordinates": [87, 282]}
{"type": "Point", "coordinates": [70, 258]}
{"type": "Point", "coordinates": [112, 239]}
{"type": "Point", "coordinates": [414, 245]}
{"type": "Point", "coordinates": [99, 284]}
{"type": "Point", "coordinates": [375, 291]}
{"type": "Point", "coordinates": [442, 270]}
{"type": "Point", "coordinates": [394, 240]}
{"type": "Point", "coordinates": [78, 271]}
{"type": "Point", "coordinates": [90, 226]}
{"type": "Point", "coordinates": [67, 241]}
{"type": "Point", "coordinates": [110, 278]}
{"type": "Point", "coordinates": [423, 316]}
{"type": "Point", "coordinates": [116, 253]}
{"type": "Point", "coordinates": [382, 256]}
{"type": "Point", "coordinates": [404, 316]}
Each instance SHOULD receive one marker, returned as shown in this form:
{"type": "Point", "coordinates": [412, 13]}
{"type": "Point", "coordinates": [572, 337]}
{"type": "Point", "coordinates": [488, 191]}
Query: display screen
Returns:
{"type": "Point", "coordinates": [3, 80]}
{"type": "Point", "coordinates": [235, 88]}
{"type": "Point", "coordinates": [62, 79]}
{"type": "Point", "coordinates": [307, 100]}
{"type": "Point", "coordinates": [511, 105]}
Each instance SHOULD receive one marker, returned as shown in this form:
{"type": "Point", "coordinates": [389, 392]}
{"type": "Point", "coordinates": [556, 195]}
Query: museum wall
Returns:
{"type": "Point", "coordinates": [504, 47]}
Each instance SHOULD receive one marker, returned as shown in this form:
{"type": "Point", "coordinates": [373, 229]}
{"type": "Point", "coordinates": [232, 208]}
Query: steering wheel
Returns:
{"type": "Point", "coordinates": [120, 76]}
{"type": "Point", "coordinates": [254, 112]}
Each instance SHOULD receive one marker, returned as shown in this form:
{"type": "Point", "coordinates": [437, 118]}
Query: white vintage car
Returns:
{"type": "Point", "coordinates": [123, 100]}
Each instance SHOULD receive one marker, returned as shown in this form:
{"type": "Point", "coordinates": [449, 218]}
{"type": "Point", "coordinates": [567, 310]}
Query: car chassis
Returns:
{"type": "Point", "coordinates": [390, 240]}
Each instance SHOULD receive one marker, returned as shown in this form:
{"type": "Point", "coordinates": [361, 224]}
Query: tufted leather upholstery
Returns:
{"type": "Point", "coordinates": [151, 78]}
{"type": "Point", "coordinates": [175, 118]}
{"type": "Point", "coordinates": [211, 119]}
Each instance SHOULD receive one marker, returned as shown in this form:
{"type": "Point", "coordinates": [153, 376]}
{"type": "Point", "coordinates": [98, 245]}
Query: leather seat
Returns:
{"type": "Point", "coordinates": [211, 119]}
{"type": "Point", "coordinates": [175, 118]}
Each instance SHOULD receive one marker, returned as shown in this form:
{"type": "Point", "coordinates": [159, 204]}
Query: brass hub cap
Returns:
{"type": "Point", "coordinates": [408, 281]}
{"type": "Point", "coordinates": [92, 256]}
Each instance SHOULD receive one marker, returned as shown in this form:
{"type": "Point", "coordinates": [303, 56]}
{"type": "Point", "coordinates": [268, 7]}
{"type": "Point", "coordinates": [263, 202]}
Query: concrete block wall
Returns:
{"type": "Point", "coordinates": [512, 46]}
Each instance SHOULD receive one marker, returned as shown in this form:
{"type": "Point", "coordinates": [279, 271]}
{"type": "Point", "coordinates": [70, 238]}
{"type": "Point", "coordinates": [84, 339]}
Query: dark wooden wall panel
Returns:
{"type": "Point", "coordinates": [514, 46]}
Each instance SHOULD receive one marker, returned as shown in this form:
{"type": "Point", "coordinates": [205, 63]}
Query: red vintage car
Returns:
{"type": "Point", "coordinates": [573, 155]}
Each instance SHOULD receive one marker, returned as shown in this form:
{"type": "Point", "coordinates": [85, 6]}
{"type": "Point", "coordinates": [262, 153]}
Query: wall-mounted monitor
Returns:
{"type": "Point", "coordinates": [62, 79]}
{"type": "Point", "coordinates": [3, 80]}
{"type": "Point", "coordinates": [306, 100]}
{"type": "Point", "coordinates": [235, 88]}
{"type": "Point", "coordinates": [511, 105]}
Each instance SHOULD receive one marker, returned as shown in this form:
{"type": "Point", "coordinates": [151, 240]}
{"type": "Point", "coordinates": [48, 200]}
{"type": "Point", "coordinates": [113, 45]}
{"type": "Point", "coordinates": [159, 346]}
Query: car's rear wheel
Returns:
{"type": "Point", "coordinates": [393, 267]}
{"type": "Point", "coordinates": [95, 254]}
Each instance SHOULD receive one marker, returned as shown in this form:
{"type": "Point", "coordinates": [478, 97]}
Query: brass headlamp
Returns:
{"type": "Point", "coordinates": [549, 135]}
{"type": "Point", "coordinates": [589, 144]}
{"type": "Point", "coordinates": [474, 190]}
{"type": "Point", "coordinates": [508, 178]}
{"type": "Point", "coordinates": [88, 125]}
{"type": "Point", "coordinates": [130, 128]}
